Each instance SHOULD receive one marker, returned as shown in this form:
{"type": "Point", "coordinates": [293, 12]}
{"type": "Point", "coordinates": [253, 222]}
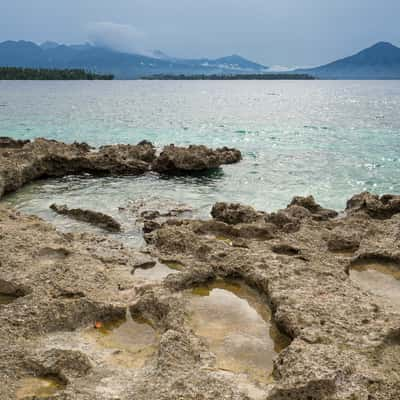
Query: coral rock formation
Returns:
{"type": "Point", "coordinates": [64, 293]}
{"type": "Point", "coordinates": [174, 159]}
{"type": "Point", "coordinates": [99, 219]}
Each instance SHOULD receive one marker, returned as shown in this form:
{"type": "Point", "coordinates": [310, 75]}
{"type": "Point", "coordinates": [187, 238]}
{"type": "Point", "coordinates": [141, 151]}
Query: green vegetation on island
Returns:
{"type": "Point", "coordinates": [14, 73]}
{"type": "Point", "coordinates": [247, 77]}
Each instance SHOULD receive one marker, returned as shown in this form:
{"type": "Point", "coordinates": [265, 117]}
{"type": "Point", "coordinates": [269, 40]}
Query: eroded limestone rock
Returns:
{"type": "Point", "coordinates": [234, 213]}
{"type": "Point", "coordinates": [174, 159]}
{"type": "Point", "coordinates": [383, 207]}
{"type": "Point", "coordinates": [7, 142]}
{"type": "Point", "coordinates": [48, 158]}
{"type": "Point", "coordinates": [99, 219]}
{"type": "Point", "coordinates": [344, 339]}
{"type": "Point", "coordinates": [24, 161]}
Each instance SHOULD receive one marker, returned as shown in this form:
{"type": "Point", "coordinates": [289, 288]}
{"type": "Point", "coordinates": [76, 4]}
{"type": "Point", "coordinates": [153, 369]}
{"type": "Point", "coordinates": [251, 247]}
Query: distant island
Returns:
{"type": "Point", "coordinates": [14, 73]}
{"type": "Point", "coordinates": [246, 77]}
{"type": "Point", "coordinates": [380, 61]}
{"type": "Point", "coordinates": [104, 60]}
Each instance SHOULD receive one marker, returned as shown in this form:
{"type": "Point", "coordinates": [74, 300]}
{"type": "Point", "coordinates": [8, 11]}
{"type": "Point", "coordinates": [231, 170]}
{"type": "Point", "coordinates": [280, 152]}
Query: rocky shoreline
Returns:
{"type": "Point", "coordinates": [25, 161]}
{"type": "Point", "coordinates": [59, 289]}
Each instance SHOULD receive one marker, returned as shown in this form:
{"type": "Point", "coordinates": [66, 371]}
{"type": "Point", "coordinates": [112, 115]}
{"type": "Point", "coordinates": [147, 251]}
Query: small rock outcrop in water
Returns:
{"type": "Point", "coordinates": [48, 158]}
{"type": "Point", "coordinates": [23, 161]}
{"type": "Point", "coordinates": [144, 151]}
{"type": "Point", "coordinates": [93, 217]}
{"type": "Point", "coordinates": [174, 159]}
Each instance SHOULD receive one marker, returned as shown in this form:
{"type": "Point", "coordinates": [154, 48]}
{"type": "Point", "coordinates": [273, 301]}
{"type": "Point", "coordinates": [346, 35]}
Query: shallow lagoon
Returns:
{"type": "Point", "coordinates": [327, 138]}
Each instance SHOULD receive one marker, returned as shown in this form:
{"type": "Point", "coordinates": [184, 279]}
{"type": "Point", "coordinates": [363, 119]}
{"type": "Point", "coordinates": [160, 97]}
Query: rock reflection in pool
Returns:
{"type": "Point", "coordinates": [236, 324]}
{"type": "Point", "coordinates": [158, 272]}
{"type": "Point", "coordinates": [380, 277]}
{"type": "Point", "coordinates": [131, 341]}
{"type": "Point", "coordinates": [38, 388]}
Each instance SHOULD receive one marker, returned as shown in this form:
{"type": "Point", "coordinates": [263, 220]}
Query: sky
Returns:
{"type": "Point", "coordinates": [280, 32]}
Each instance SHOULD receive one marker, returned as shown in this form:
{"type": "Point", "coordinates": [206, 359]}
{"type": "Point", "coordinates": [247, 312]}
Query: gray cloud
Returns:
{"type": "Point", "coordinates": [284, 32]}
{"type": "Point", "coordinates": [121, 37]}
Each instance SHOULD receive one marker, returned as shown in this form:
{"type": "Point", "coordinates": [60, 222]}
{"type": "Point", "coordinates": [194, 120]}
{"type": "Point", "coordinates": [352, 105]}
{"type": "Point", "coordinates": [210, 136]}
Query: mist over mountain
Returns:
{"type": "Point", "coordinates": [122, 65]}
{"type": "Point", "coordinates": [380, 61]}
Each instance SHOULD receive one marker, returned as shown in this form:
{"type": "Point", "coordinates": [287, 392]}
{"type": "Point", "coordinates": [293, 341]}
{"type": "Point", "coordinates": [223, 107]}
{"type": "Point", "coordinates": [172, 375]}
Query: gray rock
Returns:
{"type": "Point", "coordinates": [99, 219]}
{"type": "Point", "coordinates": [174, 159]}
{"type": "Point", "coordinates": [234, 213]}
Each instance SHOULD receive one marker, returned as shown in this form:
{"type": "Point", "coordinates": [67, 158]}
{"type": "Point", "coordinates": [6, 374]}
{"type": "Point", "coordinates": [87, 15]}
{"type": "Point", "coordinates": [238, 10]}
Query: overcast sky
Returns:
{"type": "Point", "coordinates": [281, 32]}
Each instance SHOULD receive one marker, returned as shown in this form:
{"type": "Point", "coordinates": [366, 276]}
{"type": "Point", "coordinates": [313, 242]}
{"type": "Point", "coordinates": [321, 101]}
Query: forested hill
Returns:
{"type": "Point", "coordinates": [13, 73]}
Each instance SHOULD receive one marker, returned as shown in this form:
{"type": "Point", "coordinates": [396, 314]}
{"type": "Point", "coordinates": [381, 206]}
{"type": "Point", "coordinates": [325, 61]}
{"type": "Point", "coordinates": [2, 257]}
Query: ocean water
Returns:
{"type": "Point", "coordinates": [327, 138]}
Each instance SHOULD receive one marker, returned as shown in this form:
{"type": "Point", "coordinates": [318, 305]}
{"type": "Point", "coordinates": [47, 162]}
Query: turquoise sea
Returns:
{"type": "Point", "coordinates": [327, 138]}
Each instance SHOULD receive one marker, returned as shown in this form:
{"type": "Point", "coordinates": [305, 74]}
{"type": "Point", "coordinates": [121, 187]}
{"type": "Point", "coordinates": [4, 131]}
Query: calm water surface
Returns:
{"type": "Point", "coordinates": [327, 138]}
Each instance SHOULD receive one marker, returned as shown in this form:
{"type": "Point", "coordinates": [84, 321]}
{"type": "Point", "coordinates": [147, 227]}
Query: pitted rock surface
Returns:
{"type": "Point", "coordinates": [99, 219]}
{"type": "Point", "coordinates": [44, 158]}
{"type": "Point", "coordinates": [174, 159]}
{"type": "Point", "coordinates": [341, 333]}
{"type": "Point", "coordinates": [345, 341]}
{"type": "Point", "coordinates": [24, 161]}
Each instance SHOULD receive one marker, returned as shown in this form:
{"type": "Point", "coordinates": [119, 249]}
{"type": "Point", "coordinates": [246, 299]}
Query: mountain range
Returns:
{"type": "Point", "coordinates": [121, 65]}
{"type": "Point", "coordinates": [380, 61]}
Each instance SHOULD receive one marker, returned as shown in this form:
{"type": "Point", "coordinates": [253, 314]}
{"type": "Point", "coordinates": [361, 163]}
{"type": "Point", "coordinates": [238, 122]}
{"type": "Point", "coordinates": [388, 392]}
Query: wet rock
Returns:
{"type": "Point", "coordinates": [174, 159]}
{"type": "Point", "coordinates": [93, 217]}
{"type": "Point", "coordinates": [234, 213]}
{"type": "Point", "coordinates": [383, 207]}
{"type": "Point", "coordinates": [7, 142]}
{"type": "Point", "coordinates": [228, 155]}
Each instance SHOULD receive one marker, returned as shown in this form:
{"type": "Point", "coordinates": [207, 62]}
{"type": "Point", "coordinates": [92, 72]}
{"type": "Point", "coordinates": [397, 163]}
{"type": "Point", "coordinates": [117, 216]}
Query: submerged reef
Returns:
{"type": "Point", "coordinates": [249, 304]}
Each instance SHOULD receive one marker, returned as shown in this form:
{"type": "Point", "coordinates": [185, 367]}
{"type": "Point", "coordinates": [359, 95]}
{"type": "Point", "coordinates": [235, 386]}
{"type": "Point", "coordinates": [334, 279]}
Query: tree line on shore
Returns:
{"type": "Point", "coordinates": [16, 73]}
{"type": "Point", "coordinates": [230, 77]}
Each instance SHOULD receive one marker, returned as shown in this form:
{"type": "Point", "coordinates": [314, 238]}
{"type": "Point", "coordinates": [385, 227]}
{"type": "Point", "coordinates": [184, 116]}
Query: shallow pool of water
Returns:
{"type": "Point", "coordinates": [331, 139]}
{"type": "Point", "coordinates": [380, 277]}
{"type": "Point", "coordinates": [236, 323]}
{"type": "Point", "coordinates": [38, 388]}
{"type": "Point", "coordinates": [132, 341]}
